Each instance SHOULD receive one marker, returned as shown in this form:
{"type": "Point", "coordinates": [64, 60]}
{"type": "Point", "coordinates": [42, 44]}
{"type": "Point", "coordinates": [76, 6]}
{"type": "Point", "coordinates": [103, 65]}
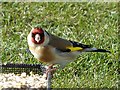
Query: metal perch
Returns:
{"type": "Point", "coordinates": [49, 77]}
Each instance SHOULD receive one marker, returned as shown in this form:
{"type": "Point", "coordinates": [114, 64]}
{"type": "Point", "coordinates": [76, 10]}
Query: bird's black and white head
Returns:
{"type": "Point", "coordinates": [38, 36]}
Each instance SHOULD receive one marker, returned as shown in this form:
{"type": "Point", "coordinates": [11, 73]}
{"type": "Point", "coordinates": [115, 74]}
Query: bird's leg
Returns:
{"type": "Point", "coordinates": [50, 69]}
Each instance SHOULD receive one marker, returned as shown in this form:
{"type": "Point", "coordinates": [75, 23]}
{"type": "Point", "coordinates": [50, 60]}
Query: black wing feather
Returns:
{"type": "Point", "coordinates": [76, 44]}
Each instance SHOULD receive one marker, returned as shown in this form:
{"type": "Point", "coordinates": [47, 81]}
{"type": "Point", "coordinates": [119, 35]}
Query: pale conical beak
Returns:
{"type": "Point", "coordinates": [37, 38]}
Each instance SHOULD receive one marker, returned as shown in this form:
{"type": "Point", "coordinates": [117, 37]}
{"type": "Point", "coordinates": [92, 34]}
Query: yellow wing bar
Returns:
{"type": "Point", "coordinates": [75, 48]}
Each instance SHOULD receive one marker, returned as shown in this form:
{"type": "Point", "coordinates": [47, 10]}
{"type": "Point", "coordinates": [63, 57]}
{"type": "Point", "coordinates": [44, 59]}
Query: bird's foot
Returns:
{"type": "Point", "coordinates": [50, 70]}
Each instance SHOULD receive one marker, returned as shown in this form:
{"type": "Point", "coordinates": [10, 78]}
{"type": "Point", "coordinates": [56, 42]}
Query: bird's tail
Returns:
{"type": "Point", "coordinates": [96, 50]}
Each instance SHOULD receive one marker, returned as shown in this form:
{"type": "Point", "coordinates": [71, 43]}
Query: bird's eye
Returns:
{"type": "Point", "coordinates": [33, 35]}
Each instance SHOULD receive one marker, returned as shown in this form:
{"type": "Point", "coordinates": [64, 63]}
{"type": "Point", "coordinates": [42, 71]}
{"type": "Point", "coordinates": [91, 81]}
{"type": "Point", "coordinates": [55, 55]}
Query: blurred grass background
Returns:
{"type": "Point", "coordinates": [88, 23]}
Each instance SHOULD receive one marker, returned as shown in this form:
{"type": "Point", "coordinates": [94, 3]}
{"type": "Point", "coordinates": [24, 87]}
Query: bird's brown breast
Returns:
{"type": "Point", "coordinates": [46, 54]}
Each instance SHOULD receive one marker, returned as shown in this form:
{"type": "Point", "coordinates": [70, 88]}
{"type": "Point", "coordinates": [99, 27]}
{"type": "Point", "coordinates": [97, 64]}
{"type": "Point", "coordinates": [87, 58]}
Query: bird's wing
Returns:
{"type": "Point", "coordinates": [59, 43]}
{"type": "Point", "coordinates": [70, 46]}
{"type": "Point", "coordinates": [66, 45]}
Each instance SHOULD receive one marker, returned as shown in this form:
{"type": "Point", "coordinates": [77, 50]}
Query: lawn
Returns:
{"type": "Point", "coordinates": [88, 23]}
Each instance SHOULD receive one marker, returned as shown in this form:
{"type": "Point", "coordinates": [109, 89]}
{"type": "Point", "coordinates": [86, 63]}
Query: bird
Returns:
{"type": "Point", "coordinates": [52, 49]}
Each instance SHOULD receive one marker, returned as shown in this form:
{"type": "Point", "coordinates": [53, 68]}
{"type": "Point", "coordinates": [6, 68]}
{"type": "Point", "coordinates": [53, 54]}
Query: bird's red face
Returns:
{"type": "Point", "coordinates": [37, 36]}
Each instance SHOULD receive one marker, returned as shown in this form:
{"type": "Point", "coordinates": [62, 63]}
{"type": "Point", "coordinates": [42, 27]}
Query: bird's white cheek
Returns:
{"type": "Point", "coordinates": [30, 43]}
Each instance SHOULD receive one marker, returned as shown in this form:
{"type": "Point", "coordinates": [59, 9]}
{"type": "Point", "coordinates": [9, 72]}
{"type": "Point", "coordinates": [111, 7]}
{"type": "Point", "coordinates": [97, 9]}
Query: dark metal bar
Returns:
{"type": "Point", "coordinates": [19, 68]}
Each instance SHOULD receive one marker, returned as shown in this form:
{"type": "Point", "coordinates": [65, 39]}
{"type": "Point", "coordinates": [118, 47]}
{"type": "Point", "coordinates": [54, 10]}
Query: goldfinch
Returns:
{"type": "Point", "coordinates": [55, 50]}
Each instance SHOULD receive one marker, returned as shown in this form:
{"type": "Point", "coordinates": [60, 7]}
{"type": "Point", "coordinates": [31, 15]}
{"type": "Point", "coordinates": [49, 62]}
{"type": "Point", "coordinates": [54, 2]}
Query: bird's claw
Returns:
{"type": "Point", "coordinates": [51, 70]}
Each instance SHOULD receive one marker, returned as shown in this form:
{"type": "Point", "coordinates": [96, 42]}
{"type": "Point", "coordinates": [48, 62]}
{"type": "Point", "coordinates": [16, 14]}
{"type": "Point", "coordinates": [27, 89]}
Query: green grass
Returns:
{"type": "Point", "coordinates": [89, 23]}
